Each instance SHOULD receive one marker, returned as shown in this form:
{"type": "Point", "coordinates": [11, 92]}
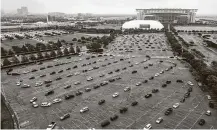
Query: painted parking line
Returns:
{"type": "Point", "coordinates": [196, 121]}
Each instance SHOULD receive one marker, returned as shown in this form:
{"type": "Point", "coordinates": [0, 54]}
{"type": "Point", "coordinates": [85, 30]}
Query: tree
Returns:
{"type": "Point", "coordinates": [10, 52]}
{"type": "Point", "coordinates": [3, 52]}
{"type": "Point", "coordinates": [39, 56]}
{"type": "Point", "coordinates": [32, 57]}
{"type": "Point", "coordinates": [6, 62]}
{"type": "Point", "coordinates": [16, 49]}
{"type": "Point", "coordinates": [94, 46]}
{"type": "Point", "coordinates": [79, 40]}
{"type": "Point", "coordinates": [78, 50]}
{"type": "Point", "coordinates": [24, 49]}
{"type": "Point", "coordinates": [82, 38]}
{"type": "Point", "coordinates": [48, 46]}
{"type": "Point", "coordinates": [71, 49]}
{"type": "Point", "coordinates": [83, 42]}
{"type": "Point", "coordinates": [46, 55]}
{"type": "Point", "coordinates": [74, 39]}
{"type": "Point", "coordinates": [52, 53]}
{"type": "Point", "coordinates": [24, 59]}
{"type": "Point", "coordinates": [15, 60]}
{"type": "Point", "coordinates": [59, 52]}
{"type": "Point", "coordinates": [59, 44]}
{"type": "Point", "coordinates": [65, 51]}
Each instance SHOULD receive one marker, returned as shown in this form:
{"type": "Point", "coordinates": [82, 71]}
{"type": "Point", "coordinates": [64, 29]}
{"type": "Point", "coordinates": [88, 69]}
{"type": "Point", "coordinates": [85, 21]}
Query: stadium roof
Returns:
{"type": "Point", "coordinates": [136, 24]}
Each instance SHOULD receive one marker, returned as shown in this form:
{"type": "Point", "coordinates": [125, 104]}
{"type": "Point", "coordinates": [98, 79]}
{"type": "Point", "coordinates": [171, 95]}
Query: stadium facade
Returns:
{"type": "Point", "coordinates": [183, 16]}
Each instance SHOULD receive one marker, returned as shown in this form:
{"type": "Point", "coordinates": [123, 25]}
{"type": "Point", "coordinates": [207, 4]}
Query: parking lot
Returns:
{"type": "Point", "coordinates": [126, 54]}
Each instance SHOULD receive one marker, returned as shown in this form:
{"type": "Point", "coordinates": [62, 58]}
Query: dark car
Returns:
{"type": "Point", "coordinates": [52, 73]}
{"type": "Point", "coordinates": [78, 93]}
{"type": "Point", "coordinates": [83, 64]}
{"type": "Point", "coordinates": [47, 85]}
{"type": "Point", "coordinates": [131, 66]}
{"type": "Point", "coordinates": [133, 72]}
{"type": "Point", "coordinates": [134, 103]}
{"type": "Point", "coordinates": [94, 62]}
{"type": "Point", "coordinates": [115, 62]}
{"type": "Point", "coordinates": [182, 100]}
{"type": "Point", "coordinates": [49, 93]}
{"type": "Point", "coordinates": [96, 86]}
{"type": "Point", "coordinates": [104, 83]}
{"type": "Point", "coordinates": [84, 71]}
{"type": "Point", "coordinates": [168, 111]}
{"type": "Point", "coordinates": [179, 81]}
{"type": "Point", "coordinates": [155, 90]}
{"type": "Point", "coordinates": [114, 117]}
{"type": "Point", "coordinates": [117, 70]}
{"type": "Point", "coordinates": [47, 81]}
{"type": "Point", "coordinates": [164, 85]}
{"type": "Point", "coordinates": [145, 81]}
{"type": "Point", "coordinates": [67, 86]}
{"type": "Point", "coordinates": [123, 110]}
{"type": "Point", "coordinates": [70, 75]}
{"type": "Point", "coordinates": [59, 78]}
{"type": "Point", "coordinates": [168, 82]}
{"type": "Point", "coordinates": [95, 67]}
{"type": "Point", "coordinates": [64, 117]}
{"type": "Point", "coordinates": [68, 57]}
{"type": "Point", "coordinates": [201, 122]}
{"type": "Point", "coordinates": [148, 95]}
{"type": "Point", "coordinates": [34, 70]}
{"type": "Point", "coordinates": [42, 68]}
{"type": "Point", "coordinates": [69, 96]}
{"type": "Point", "coordinates": [32, 77]}
{"type": "Point", "coordinates": [109, 63]}
{"type": "Point", "coordinates": [211, 104]}
{"type": "Point", "coordinates": [151, 78]}
{"type": "Point", "coordinates": [111, 80]}
{"type": "Point", "coordinates": [146, 67]}
{"type": "Point", "coordinates": [187, 95]}
{"type": "Point", "coordinates": [124, 68]}
{"type": "Point", "coordinates": [75, 66]}
{"type": "Point", "coordinates": [60, 71]}
{"type": "Point", "coordinates": [150, 64]}
{"type": "Point", "coordinates": [103, 65]}
{"type": "Point", "coordinates": [49, 66]}
{"type": "Point", "coordinates": [87, 58]}
{"type": "Point", "coordinates": [57, 65]}
{"type": "Point", "coordinates": [101, 102]}
{"type": "Point", "coordinates": [105, 123]}
{"type": "Point", "coordinates": [93, 56]}
{"type": "Point", "coordinates": [118, 78]}
{"type": "Point", "coordinates": [110, 72]}
{"type": "Point", "coordinates": [190, 89]}
{"type": "Point", "coordinates": [121, 59]}
{"type": "Point", "coordinates": [68, 69]}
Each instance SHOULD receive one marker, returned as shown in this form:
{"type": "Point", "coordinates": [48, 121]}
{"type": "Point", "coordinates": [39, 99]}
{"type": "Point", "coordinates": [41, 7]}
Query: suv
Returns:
{"type": "Point", "coordinates": [211, 104]}
{"type": "Point", "coordinates": [87, 89]}
{"type": "Point", "coordinates": [96, 86]}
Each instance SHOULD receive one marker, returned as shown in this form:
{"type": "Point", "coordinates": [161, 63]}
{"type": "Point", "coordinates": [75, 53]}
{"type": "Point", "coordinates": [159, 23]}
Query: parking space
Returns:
{"type": "Point", "coordinates": [140, 63]}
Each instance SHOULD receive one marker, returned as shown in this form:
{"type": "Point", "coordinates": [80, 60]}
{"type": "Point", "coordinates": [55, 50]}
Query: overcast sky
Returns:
{"type": "Point", "coordinates": [107, 6]}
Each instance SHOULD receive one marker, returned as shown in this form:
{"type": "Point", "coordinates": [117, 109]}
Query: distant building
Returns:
{"type": "Point", "coordinates": [22, 11]}
{"type": "Point", "coordinates": [167, 15]}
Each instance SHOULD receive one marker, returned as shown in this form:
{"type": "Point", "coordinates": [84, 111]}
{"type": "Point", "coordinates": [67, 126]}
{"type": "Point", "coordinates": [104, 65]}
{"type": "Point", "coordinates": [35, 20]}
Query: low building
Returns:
{"type": "Point", "coordinates": [142, 24]}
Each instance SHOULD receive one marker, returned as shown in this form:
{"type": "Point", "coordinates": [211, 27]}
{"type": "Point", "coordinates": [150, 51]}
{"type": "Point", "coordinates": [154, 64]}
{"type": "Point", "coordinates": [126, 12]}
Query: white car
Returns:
{"type": "Point", "coordinates": [89, 78]}
{"type": "Point", "coordinates": [90, 69]}
{"type": "Point", "coordinates": [138, 84]}
{"type": "Point", "coordinates": [176, 105]}
{"type": "Point", "coordinates": [76, 73]}
{"type": "Point", "coordinates": [33, 99]}
{"type": "Point", "coordinates": [115, 95]}
{"type": "Point", "coordinates": [147, 127]}
{"type": "Point", "coordinates": [25, 72]}
{"type": "Point", "coordinates": [190, 83]}
{"type": "Point", "coordinates": [77, 82]}
{"type": "Point", "coordinates": [80, 59]}
{"type": "Point", "coordinates": [57, 100]}
{"type": "Point", "coordinates": [136, 63]}
{"type": "Point", "coordinates": [133, 56]}
{"type": "Point", "coordinates": [84, 109]}
{"type": "Point", "coordinates": [34, 104]}
{"type": "Point", "coordinates": [208, 113]}
{"type": "Point", "coordinates": [157, 74]}
{"type": "Point", "coordinates": [51, 126]}
{"type": "Point", "coordinates": [208, 97]}
{"type": "Point", "coordinates": [159, 120]}
{"type": "Point", "coordinates": [38, 84]}
{"type": "Point", "coordinates": [101, 75]}
{"type": "Point", "coordinates": [161, 72]}
{"type": "Point", "coordinates": [18, 83]}
{"type": "Point", "coordinates": [25, 86]}
{"type": "Point", "coordinates": [45, 104]}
